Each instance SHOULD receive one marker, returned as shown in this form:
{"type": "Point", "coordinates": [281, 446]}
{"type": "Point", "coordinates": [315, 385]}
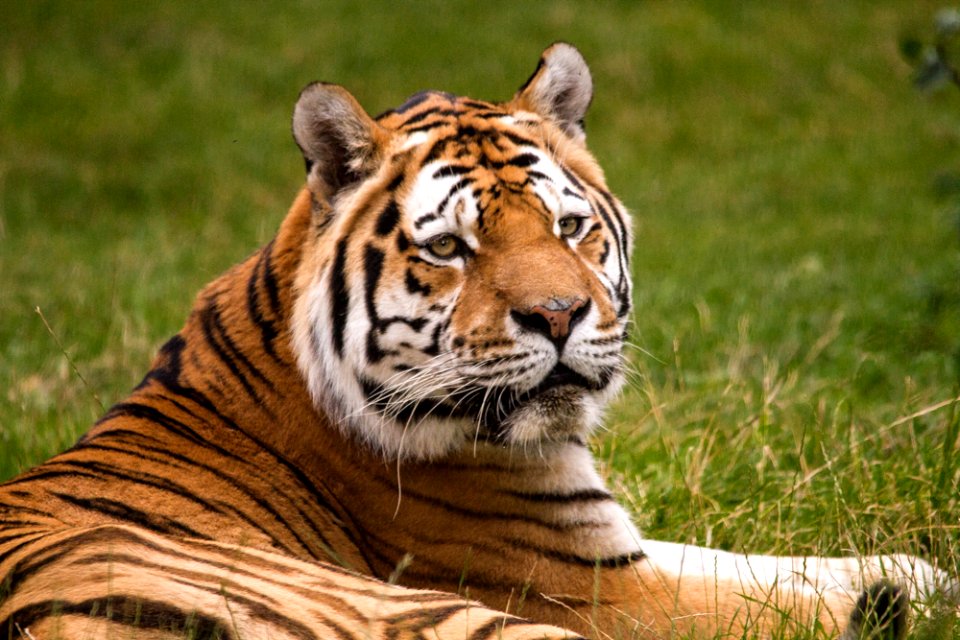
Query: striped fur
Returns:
{"type": "Point", "coordinates": [398, 389]}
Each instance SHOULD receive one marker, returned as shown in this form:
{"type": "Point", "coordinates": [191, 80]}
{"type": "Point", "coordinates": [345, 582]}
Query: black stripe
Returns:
{"type": "Point", "coordinates": [395, 183]}
{"type": "Point", "coordinates": [213, 329]}
{"type": "Point", "coordinates": [469, 131]}
{"type": "Point", "coordinates": [523, 160]}
{"type": "Point", "coordinates": [268, 328]}
{"type": "Point", "coordinates": [9, 551]}
{"type": "Point", "coordinates": [433, 348]}
{"type": "Point", "coordinates": [460, 184]}
{"type": "Point", "coordinates": [261, 611]}
{"type": "Point", "coordinates": [242, 488]}
{"type": "Point", "coordinates": [540, 65]}
{"type": "Point", "coordinates": [413, 411]}
{"type": "Point", "coordinates": [493, 630]}
{"type": "Point", "coordinates": [604, 562]}
{"type": "Point", "coordinates": [621, 231]}
{"type": "Point", "coordinates": [538, 175]}
{"type": "Point", "coordinates": [138, 477]}
{"type": "Point", "coordinates": [489, 516]}
{"type": "Point", "coordinates": [165, 456]}
{"type": "Point", "coordinates": [493, 375]}
{"type": "Point", "coordinates": [270, 280]}
{"type": "Point", "coordinates": [419, 618]}
{"type": "Point", "coordinates": [168, 372]}
{"type": "Point", "coordinates": [572, 178]}
{"type": "Point", "coordinates": [481, 207]}
{"type": "Point", "coordinates": [414, 286]}
{"type": "Point", "coordinates": [424, 219]}
{"type": "Point", "coordinates": [372, 268]}
{"type": "Point", "coordinates": [25, 509]}
{"type": "Point", "coordinates": [53, 474]}
{"type": "Point", "coordinates": [339, 297]}
{"type": "Point", "coordinates": [425, 127]}
{"type": "Point", "coordinates": [623, 292]}
{"type": "Point", "coordinates": [476, 104]}
{"type": "Point", "coordinates": [489, 115]}
{"type": "Point", "coordinates": [518, 139]}
{"type": "Point", "coordinates": [128, 611]}
{"type": "Point", "coordinates": [417, 324]}
{"type": "Point", "coordinates": [388, 220]}
{"type": "Point", "coordinates": [450, 171]}
{"type": "Point", "coordinates": [274, 616]}
{"type": "Point", "coordinates": [236, 352]}
{"type": "Point", "coordinates": [614, 228]}
{"type": "Point", "coordinates": [623, 284]}
{"type": "Point", "coordinates": [324, 500]}
{"type": "Point", "coordinates": [495, 361]}
{"type": "Point", "coordinates": [24, 528]}
{"type": "Point", "coordinates": [604, 251]}
{"type": "Point", "coordinates": [426, 113]}
{"type": "Point", "coordinates": [153, 415]}
{"type": "Point", "coordinates": [126, 513]}
{"type": "Point", "coordinates": [583, 495]}
{"type": "Point", "coordinates": [439, 146]}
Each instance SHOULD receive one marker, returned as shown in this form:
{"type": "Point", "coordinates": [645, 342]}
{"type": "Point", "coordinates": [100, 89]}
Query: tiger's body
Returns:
{"type": "Point", "coordinates": [398, 388]}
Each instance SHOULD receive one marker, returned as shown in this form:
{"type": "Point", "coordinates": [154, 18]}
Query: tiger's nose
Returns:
{"type": "Point", "coordinates": [554, 319]}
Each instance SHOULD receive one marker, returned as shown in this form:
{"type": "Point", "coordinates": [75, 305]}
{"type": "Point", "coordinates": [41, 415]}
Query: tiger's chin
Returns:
{"type": "Point", "coordinates": [560, 414]}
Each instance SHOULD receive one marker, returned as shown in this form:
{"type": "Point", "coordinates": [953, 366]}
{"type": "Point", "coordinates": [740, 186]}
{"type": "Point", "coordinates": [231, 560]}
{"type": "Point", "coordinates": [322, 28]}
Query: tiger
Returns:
{"type": "Point", "coordinates": [377, 425]}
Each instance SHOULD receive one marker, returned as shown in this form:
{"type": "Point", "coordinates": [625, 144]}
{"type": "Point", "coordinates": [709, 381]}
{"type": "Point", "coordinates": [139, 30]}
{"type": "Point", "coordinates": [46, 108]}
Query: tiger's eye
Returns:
{"type": "Point", "coordinates": [444, 246]}
{"type": "Point", "coordinates": [570, 226]}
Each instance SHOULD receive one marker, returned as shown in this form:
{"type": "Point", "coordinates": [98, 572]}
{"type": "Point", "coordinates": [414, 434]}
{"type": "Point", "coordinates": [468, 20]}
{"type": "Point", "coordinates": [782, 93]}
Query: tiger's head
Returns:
{"type": "Point", "coordinates": [467, 273]}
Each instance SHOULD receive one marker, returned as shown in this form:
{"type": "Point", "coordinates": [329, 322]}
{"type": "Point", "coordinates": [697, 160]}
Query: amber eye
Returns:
{"type": "Point", "coordinates": [444, 246]}
{"type": "Point", "coordinates": [570, 226]}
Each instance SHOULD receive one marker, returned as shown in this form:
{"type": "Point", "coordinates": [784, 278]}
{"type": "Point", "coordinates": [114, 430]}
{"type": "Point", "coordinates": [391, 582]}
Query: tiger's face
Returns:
{"type": "Point", "coordinates": [468, 278]}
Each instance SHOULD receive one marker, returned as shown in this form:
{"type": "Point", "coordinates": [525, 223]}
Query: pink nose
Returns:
{"type": "Point", "coordinates": [554, 319]}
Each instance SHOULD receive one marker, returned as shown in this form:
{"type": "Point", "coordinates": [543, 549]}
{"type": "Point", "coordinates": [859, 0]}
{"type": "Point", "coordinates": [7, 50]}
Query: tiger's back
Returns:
{"type": "Point", "coordinates": [398, 387]}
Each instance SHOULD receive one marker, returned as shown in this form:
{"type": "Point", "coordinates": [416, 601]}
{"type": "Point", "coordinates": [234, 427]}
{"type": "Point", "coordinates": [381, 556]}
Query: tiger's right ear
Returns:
{"type": "Point", "coordinates": [341, 144]}
{"type": "Point", "coordinates": [559, 89]}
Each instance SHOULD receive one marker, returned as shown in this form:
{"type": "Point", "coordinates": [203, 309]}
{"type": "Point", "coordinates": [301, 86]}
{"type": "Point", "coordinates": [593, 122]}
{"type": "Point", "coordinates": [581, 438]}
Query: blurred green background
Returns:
{"type": "Point", "coordinates": [796, 198]}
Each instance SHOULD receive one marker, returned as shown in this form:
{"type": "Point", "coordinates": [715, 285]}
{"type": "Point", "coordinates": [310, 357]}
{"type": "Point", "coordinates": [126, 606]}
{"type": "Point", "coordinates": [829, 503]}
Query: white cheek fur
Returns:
{"type": "Point", "coordinates": [333, 386]}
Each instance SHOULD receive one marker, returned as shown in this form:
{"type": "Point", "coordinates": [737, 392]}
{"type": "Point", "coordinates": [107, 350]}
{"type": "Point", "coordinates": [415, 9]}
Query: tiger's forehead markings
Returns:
{"type": "Point", "coordinates": [439, 203]}
{"type": "Point", "coordinates": [477, 160]}
{"type": "Point", "coordinates": [431, 109]}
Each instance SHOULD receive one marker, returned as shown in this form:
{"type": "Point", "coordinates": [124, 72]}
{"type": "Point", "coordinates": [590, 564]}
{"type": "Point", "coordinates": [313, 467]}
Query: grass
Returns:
{"type": "Point", "coordinates": [797, 205]}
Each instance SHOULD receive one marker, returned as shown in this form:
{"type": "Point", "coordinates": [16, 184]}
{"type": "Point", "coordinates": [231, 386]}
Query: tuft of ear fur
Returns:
{"type": "Point", "coordinates": [880, 614]}
{"type": "Point", "coordinates": [340, 143]}
{"type": "Point", "coordinates": [559, 89]}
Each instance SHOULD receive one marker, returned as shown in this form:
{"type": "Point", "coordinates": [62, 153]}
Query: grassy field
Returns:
{"type": "Point", "coordinates": [797, 203]}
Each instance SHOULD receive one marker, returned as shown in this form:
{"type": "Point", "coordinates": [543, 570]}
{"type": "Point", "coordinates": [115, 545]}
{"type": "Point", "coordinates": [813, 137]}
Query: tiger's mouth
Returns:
{"type": "Point", "coordinates": [564, 375]}
{"type": "Point", "coordinates": [493, 409]}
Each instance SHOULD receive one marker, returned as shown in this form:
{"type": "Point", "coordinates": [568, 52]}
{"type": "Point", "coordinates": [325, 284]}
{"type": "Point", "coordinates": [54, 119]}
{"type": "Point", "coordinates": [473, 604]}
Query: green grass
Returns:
{"type": "Point", "coordinates": [796, 200]}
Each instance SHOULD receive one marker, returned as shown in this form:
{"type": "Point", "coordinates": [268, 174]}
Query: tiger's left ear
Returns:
{"type": "Point", "coordinates": [559, 89]}
{"type": "Point", "coordinates": [341, 144]}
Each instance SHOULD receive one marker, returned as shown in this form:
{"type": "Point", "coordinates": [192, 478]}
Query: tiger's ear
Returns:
{"type": "Point", "coordinates": [341, 144]}
{"type": "Point", "coordinates": [559, 89]}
